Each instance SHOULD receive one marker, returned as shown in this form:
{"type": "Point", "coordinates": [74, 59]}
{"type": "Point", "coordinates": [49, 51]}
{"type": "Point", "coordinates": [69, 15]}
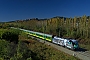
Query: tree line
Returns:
{"type": "Point", "coordinates": [77, 27]}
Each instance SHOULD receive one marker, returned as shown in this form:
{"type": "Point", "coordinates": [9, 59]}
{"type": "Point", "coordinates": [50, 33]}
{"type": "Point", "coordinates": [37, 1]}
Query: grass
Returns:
{"type": "Point", "coordinates": [87, 47]}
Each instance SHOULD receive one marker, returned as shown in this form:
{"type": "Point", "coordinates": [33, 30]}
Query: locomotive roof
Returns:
{"type": "Point", "coordinates": [74, 40]}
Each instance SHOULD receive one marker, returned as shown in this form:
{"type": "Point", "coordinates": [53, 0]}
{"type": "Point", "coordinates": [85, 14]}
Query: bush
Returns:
{"type": "Point", "coordinates": [22, 51]}
{"type": "Point", "coordinates": [11, 51]}
{"type": "Point", "coordinates": [7, 50]}
{"type": "Point", "coordinates": [11, 36]}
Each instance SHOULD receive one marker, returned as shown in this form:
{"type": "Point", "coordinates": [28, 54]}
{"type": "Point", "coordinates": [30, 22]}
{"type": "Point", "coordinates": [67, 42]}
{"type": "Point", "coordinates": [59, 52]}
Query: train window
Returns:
{"type": "Point", "coordinates": [49, 37]}
{"type": "Point", "coordinates": [69, 42]}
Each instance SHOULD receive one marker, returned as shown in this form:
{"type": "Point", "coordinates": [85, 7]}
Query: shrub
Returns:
{"type": "Point", "coordinates": [4, 49]}
{"type": "Point", "coordinates": [11, 51]}
{"type": "Point", "coordinates": [11, 36]}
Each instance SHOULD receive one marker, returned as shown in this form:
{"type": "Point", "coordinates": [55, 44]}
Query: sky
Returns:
{"type": "Point", "coordinates": [11, 10]}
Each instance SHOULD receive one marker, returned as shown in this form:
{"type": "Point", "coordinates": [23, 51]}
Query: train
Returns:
{"type": "Point", "coordinates": [65, 42]}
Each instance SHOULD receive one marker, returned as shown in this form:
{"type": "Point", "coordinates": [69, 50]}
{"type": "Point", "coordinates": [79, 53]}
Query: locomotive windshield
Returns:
{"type": "Point", "coordinates": [75, 44]}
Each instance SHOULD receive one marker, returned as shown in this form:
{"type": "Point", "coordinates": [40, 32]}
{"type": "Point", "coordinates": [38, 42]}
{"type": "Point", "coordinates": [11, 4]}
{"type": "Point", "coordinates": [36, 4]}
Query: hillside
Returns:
{"type": "Point", "coordinates": [76, 28]}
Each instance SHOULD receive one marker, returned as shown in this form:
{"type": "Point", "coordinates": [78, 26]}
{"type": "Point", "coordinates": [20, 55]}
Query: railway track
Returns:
{"type": "Point", "coordinates": [86, 53]}
{"type": "Point", "coordinates": [82, 53]}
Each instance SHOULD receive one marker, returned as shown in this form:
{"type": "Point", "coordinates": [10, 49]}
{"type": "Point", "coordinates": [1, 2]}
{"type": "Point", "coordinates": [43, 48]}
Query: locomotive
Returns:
{"type": "Point", "coordinates": [69, 43]}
